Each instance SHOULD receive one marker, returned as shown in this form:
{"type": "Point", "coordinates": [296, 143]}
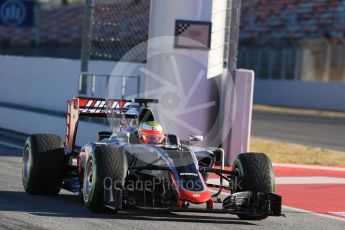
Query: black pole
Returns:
{"type": "Point", "coordinates": [86, 44]}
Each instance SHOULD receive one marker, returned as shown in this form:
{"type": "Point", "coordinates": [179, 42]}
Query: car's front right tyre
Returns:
{"type": "Point", "coordinates": [43, 164]}
{"type": "Point", "coordinates": [257, 175]}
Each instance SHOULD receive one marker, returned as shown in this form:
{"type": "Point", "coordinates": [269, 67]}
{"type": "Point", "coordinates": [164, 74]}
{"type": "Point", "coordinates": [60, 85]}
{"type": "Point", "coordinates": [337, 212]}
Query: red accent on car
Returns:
{"type": "Point", "coordinates": [83, 102]}
{"type": "Point", "coordinates": [122, 103]}
{"type": "Point", "coordinates": [191, 196]}
{"type": "Point", "coordinates": [195, 197]}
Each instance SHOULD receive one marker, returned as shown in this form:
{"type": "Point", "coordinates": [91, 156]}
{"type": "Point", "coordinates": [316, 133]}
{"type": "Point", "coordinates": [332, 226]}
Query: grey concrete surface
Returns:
{"type": "Point", "coordinates": [319, 131]}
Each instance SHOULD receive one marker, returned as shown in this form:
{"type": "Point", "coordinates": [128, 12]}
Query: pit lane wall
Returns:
{"type": "Point", "coordinates": [300, 94]}
{"type": "Point", "coordinates": [49, 82]}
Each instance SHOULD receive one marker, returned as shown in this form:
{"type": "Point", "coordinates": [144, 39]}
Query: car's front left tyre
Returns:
{"type": "Point", "coordinates": [106, 168]}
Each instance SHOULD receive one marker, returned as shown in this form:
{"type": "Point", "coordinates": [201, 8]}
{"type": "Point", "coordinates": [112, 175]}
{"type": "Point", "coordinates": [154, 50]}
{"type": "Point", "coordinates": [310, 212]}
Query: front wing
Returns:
{"type": "Point", "coordinates": [253, 204]}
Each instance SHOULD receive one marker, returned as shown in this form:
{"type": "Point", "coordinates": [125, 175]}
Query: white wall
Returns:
{"type": "Point", "coordinates": [47, 83]}
{"type": "Point", "coordinates": [316, 95]}
{"type": "Point", "coordinates": [32, 122]}
{"type": "Point", "coordinates": [242, 116]}
{"type": "Point", "coordinates": [216, 54]}
{"type": "Point", "coordinates": [20, 78]}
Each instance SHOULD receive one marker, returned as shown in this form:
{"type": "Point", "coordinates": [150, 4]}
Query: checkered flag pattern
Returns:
{"type": "Point", "coordinates": [183, 27]}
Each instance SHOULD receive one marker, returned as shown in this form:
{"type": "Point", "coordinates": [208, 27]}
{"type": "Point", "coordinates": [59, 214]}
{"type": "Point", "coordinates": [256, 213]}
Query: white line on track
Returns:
{"type": "Point", "coordinates": [313, 213]}
{"type": "Point", "coordinates": [338, 213]}
{"type": "Point", "coordinates": [328, 168]}
{"type": "Point", "coordinates": [299, 180]}
{"type": "Point", "coordinates": [310, 180]}
{"type": "Point", "coordinates": [11, 145]}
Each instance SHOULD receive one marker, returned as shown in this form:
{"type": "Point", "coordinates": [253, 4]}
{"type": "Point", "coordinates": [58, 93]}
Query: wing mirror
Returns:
{"type": "Point", "coordinates": [196, 138]}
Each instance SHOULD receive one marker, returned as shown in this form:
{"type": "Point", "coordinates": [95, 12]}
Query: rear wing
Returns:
{"type": "Point", "coordinates": [98, 107]}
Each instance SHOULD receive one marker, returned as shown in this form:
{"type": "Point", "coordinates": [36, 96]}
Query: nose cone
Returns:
{"type": "Point", "coordinates": [195, 197]}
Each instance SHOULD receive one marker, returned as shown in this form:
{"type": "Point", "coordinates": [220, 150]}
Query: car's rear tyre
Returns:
{"type": "Point", "coordinates": [43, 164]}
{"type": "Point", "coordinates": [106, 167]}
{"type": "Point", "coordinates": [257, 175]}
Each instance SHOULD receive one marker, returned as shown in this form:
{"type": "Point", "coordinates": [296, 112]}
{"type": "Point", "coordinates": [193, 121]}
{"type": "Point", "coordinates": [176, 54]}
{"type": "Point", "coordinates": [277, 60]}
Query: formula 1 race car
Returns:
{"type": "Point", "coordinates": [134, 167]}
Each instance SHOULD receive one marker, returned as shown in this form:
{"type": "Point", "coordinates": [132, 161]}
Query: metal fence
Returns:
{"type": "Point", "coordinates": [115, 26]}
{"type": "Point", "coordinates": [111, 29]}
{"type": "Point", "coordinates": [99, 85]}
{"type": "Point", "coordinates": [118, 26]}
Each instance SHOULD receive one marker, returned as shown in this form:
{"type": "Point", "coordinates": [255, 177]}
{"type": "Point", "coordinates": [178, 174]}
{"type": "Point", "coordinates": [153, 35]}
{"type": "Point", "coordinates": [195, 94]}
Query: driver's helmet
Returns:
{"type": "Point", "coordinates": [151, 132]}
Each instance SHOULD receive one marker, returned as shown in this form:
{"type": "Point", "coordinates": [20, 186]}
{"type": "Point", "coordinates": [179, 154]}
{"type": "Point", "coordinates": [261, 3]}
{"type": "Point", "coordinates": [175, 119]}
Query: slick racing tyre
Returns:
{"type": "Point", "coordinates": [106, 168]}
{"type": "Point", "coordinates": [43, 164]}
{"type": "Point", "coordinates": [257, 175]}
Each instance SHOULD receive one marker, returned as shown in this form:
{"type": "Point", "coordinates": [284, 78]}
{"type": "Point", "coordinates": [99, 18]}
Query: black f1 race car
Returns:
{"type": "Point", "coordinates": [119, 171]}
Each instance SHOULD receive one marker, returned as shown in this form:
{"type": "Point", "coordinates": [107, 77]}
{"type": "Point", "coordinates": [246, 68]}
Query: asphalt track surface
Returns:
{"type": "Point", "coordinates": [19, 210]}
{"type": "Point", "coordinates": [318, 131]}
